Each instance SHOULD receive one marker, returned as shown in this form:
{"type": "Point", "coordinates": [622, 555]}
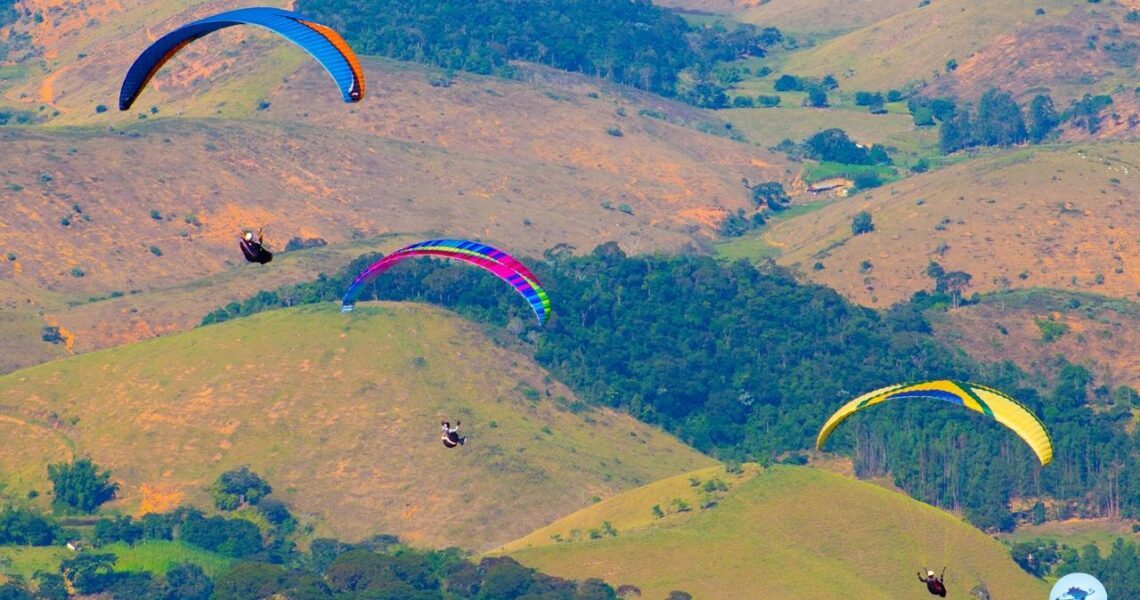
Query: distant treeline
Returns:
{"type": "Point", "coordinates": [745, 363]}
{"type": "Point", "coordinates": [629, 42]}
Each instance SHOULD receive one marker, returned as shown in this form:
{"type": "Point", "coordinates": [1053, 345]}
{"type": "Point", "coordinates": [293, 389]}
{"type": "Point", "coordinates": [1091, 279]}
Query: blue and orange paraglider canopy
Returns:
{"type": "Point", "coordinates": [324, 44]}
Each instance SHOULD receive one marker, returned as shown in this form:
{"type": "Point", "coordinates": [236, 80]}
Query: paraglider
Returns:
{"type": "Point", "coordinates": [988, 401]}
{"type": "Point", "coordinates": [324, 44]}
{"type": "Point", "coordinates": [935, 585]}
{"type": "Point", "coordinates": [254, 251]}
{"type": "Point", "coordinates": [450, 435]}
{"type": "Point", "coordinates": [501, 264]}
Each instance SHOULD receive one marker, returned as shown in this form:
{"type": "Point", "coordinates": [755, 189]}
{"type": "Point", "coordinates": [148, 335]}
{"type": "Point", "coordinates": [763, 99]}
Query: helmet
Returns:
{"type": "Point", "coordinates": [248, 235]}
{"type": "Point", "coordinates": [930, 573]}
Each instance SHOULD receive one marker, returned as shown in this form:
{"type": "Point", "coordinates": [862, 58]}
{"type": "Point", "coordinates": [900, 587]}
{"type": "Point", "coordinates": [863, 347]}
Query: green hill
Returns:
{"type": "Point", "coordinates": [341, 414]}
{"type": "Point", "coordinates": [795, 533]}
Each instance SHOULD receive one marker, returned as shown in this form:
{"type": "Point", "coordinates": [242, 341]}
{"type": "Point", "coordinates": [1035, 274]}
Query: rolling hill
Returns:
{"type": "Point", "coordinates": [340, 413]}
{"type": "Point", "coordinates": [523, 165]}
{"type": "Point", "coordinates": [789, 532]}
{"type": "Point", "coordinates": [915, 45]}
{"type": "Point", "coordinates": [1058, 217]}
{"type": "Point", "coordinates": [1097, 334]}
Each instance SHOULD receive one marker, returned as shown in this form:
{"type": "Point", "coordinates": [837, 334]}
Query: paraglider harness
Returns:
{"type": "Point", "coordinates": [450, 437]}
{"type": "Point", "coordinates": [254, 251]}
{"type": "Point", "coordinates": [934, 585]}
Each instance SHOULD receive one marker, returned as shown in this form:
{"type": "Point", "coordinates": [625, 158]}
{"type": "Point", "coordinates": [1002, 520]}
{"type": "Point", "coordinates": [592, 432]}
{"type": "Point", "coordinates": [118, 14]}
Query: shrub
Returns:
{"type": "Point", "coordinates": [101, 108]}
{"type": "Point", "coordinates": [155, 250]}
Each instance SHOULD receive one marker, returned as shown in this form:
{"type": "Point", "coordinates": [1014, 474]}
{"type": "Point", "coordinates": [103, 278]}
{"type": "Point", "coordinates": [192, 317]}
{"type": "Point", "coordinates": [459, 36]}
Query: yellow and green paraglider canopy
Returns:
{"type": "Point", "coordinates": [988, 401]}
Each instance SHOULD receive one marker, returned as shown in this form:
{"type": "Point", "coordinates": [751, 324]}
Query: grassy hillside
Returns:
{"type": "Point", "coordinates": [1058, 217]}
{"type": "Point", "coordinates": [792, 532]}
{"type": "Point", "coordinates": [914, 45]}
{"type": "Point", "coordinates": [1090, 49]}
{"type": "Point", "coordinates": [341, 414]}
{"type": "Point", "coordinates": [1097, 334]}
{"type": "Point", "coordinates": [821, 16]}
{"type": "Point", "coordinates": [524, 165]}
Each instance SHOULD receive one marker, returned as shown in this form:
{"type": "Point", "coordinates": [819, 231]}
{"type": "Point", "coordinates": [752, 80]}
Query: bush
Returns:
{"type": "Point", "coordinates": [614, 130]}
{"type": "Point", "coordinates": [155, 250]}
{"type": "Point", "coordinates": [767, 101]}
{"type": "Point", "coordinates": [861, 223]}
{"type": "Point", "coordinates": [299, 243]}
{"type": "Point", "coordinates": [788, 83]}
{"type": "Point", "coordinates": [101, 108]}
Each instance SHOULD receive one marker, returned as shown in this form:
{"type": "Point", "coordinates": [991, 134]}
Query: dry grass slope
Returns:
{"type": "Point", "coordinates": [527, 166]}
{"type": "Point", "coordinates": [1103, 341]}
{"type": "Point", "coordinates": [796, 533]}
{"type": "Point", "coordinates": [915, 44]}
{"type": "Point", "coordinates": [340, 413]}
{"type": "Point", "coordinates": [1055, 217]}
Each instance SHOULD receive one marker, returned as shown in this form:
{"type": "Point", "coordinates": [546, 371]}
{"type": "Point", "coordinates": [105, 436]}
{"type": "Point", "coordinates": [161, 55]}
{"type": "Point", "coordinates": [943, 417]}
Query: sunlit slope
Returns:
{"type": "Point", "coordinates": [915, 45]}
{"type": "Point", "coordinates": [1057, 217]}
{"type": "Point", "coordinates": [821, 16]}
{"type": "Point", "coordinates": [633, 510]}
{"type": "Point", "coordinates": [525, 166]}
{"type": "Point", "coordinates": [1091, 50]}
{"type": "Point", "coordinates": [797, 533]}
{"type": "Point", "coordinates": [1102, 336]}
{"type": "Point", "coordinates": [341, 414]}
{"type": "Point", "coordinates": [78, 53]}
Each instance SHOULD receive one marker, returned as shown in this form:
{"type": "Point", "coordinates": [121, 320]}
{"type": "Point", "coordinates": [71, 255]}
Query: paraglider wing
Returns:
{"type": "Point", "coordinates": [532, 292]}
{"type": "Point", "coordinates": [468, 247]}
{"type": "Point", "coordinates": [988, 401]}
{"type": "Point", "coordinates": [322, 43]}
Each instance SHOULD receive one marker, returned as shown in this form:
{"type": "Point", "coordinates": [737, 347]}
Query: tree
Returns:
{"type": "Point", "coordinates": [1000, 122]}
{"type": "Point", "coordinates": [89, 572]}
{"type": "Point", "coordinates": [14, 591]}
{"type": "Point", "coordinates": [79, 486]}
{"type": "Point", "coordinates": [834, 145]}
{"type": "Point", "coordinates": [770, 194]}
{"type": "Point", "coordinates": [1042, 118]}
{"type": "Point", "coordinates": [238, 487]}
{"type": "Point", "coordinates": [956, 282]}
{"type": "Point", "coordinates": [187, 582]}
{"type": "Point", "coordinates": [26, 527]}
{"type": "Point", "coordinates": [817, 97]}
{"type": "Point", "coordinates": [861, 223]}
{"type": "Point", "coordinates": [957, 132]}
{"type": "Point", "coordinates": [250, 580]}
{"type": "Point", "coordinates": [50, 586]}
{"type": "Point", "coordinates": [788, 83]}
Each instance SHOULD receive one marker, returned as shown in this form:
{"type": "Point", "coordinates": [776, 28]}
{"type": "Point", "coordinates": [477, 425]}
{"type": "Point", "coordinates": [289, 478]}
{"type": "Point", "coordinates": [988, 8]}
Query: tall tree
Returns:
{"type": "Point", "coordinates": [1042, 118]}
{"type": "Point", "coordinates": [79, 486]}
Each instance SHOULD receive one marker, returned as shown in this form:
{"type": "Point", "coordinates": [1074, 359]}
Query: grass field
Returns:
{"type": "Point", "coordinates": [341, 414]}
{"type": "Point", "coordinates": [159, 556]}
{"type": "Point", "coordinates": [792, 532]}
{"type": "Point", "coordinates": [156, 556]}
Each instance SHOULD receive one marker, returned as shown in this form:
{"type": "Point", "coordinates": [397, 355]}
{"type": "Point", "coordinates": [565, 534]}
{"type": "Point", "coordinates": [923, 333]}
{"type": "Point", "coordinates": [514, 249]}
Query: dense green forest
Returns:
{"type": "Point", "coordinates": [633, 43]}
{"type": "Point", "coordinates": [254, 543]}
{"type": "Point", "coordinates": [745, 363]}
